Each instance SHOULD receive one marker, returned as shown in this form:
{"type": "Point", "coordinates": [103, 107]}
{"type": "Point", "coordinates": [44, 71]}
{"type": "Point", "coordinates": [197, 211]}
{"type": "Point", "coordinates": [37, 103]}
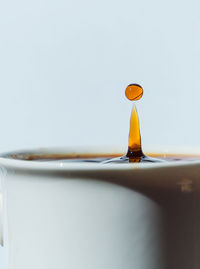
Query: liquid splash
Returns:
{"type": "Point", "coordinates": [135, 154]}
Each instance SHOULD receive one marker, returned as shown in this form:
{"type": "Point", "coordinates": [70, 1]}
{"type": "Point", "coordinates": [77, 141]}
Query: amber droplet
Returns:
{"type": "Point", "coordinates": [134, 92]}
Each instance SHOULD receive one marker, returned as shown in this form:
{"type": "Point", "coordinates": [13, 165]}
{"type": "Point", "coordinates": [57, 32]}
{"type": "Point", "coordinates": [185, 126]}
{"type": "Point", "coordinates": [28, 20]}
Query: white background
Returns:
{"type": "Point", "coordinates": [64, 66]}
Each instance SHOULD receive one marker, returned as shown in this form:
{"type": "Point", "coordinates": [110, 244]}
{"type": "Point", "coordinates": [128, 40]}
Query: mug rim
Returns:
{"type": "Point", "coordinates": [59, 165]}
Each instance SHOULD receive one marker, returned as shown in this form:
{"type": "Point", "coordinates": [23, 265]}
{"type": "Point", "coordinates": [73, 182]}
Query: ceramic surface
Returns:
{"type": "Point", "coordinates": [62, 215]}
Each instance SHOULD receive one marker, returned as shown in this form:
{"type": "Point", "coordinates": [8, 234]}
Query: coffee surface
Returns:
{"type": "Point", "coordinates": [93, 158]}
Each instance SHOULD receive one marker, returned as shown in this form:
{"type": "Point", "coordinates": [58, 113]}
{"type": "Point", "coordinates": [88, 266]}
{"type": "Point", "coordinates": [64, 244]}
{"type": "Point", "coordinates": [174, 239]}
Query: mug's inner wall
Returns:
{"type": "Point", "coordinates": [60, 156]}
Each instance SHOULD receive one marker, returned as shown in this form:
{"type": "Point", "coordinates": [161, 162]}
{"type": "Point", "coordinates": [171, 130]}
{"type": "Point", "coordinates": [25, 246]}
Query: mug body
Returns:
{"type": "Point", "coordinates": [86, 216]}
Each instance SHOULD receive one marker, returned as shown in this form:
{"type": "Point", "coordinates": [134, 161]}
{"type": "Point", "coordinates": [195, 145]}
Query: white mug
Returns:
{"type": "Point", "coordinates": [59, 215]}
